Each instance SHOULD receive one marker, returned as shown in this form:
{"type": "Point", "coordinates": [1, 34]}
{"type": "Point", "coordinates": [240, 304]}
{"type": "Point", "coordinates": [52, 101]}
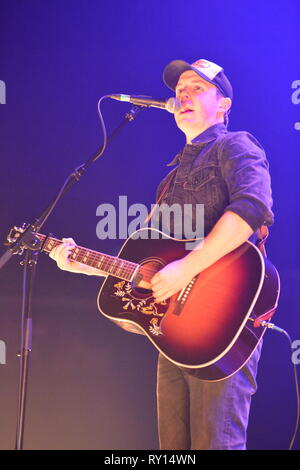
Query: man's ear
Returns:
{"type": "Point", "coordinates": [225, 104]}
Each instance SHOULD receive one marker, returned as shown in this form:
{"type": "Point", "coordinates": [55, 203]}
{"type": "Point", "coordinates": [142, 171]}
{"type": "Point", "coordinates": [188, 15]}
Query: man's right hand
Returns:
{"type": "Point", "coordinates": [61, 254]}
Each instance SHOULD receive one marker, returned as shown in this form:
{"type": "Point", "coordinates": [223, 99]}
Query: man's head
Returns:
{"type": "Point", "coordinates": [204, 92]}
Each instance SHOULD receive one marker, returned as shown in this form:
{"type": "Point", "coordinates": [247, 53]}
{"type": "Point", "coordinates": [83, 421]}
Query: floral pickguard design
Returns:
{"type": "Point", "coordinates": [146, 306]}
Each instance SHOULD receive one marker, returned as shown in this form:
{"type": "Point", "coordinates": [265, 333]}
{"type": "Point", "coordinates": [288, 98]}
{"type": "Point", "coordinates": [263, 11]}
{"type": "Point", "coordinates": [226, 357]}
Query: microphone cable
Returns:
{"type": "Point", "coordinates": [272, 326]}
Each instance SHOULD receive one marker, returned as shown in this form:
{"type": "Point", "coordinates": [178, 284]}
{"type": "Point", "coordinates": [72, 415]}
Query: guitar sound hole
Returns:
{"type": "Point", "coordinates": [141, 281]}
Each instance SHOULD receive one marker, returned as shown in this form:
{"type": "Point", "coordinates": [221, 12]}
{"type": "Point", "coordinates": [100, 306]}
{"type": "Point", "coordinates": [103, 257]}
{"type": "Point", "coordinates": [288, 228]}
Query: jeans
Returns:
{"type": "Point", "coordinates": [196, 414]}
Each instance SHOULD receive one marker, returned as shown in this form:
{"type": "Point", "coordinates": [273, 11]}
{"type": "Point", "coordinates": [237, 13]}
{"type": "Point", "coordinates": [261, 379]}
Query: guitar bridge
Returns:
{"type": "Point", "coordinates": [182, 297]}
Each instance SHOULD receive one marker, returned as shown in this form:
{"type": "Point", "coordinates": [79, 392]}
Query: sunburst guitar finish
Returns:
{"type": "Point", "coordinates": [208, 327]}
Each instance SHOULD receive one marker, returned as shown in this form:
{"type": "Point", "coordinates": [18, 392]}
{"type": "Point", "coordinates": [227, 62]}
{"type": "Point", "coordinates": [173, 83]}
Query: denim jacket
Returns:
{"type": "Point", "coordinates": [223, 171]}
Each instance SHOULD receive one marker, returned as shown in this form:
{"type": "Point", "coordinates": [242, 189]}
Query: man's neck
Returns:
{"type": "Point", "coordinates": [191, 134]}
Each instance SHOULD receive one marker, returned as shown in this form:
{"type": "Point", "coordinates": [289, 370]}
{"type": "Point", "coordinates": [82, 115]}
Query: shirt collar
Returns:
{"type": "Point", "coordinates": [211, 133]}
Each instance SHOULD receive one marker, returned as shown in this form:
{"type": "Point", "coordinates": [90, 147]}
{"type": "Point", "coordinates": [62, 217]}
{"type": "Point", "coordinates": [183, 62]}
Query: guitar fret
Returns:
{"type": "Point", "coordinates": [119, 269]}
{"type": "Point", "coordinates": [105, 264]}
{"type": "Point", "coordinates": [79, 256]}
{"type": "Point", "coordinates": [99, 260]}
{"type": "Point", "coordinates": [111, 267]}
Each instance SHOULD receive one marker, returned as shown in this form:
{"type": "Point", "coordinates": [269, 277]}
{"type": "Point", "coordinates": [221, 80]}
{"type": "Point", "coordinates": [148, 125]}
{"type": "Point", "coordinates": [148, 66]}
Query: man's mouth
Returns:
{"type": "Point", "coordinates": [186, 110]}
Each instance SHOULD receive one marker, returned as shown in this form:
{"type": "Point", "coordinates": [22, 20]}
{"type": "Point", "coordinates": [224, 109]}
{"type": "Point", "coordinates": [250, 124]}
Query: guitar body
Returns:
{"type": "Point", "coordinates": [208, 327]}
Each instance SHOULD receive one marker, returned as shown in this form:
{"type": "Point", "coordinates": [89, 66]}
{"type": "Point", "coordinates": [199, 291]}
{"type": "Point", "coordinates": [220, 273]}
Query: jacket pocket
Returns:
{"type": "Point", "coordinates": [200, 177]}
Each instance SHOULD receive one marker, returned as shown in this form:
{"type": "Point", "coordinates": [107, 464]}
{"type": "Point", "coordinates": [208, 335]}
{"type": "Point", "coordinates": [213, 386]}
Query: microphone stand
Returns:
{"type": "Point", "coordinates": [25, 238]}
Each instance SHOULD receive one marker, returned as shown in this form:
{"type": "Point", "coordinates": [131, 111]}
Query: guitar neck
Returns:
{"type": "Point", "coordinates": [108, 264]}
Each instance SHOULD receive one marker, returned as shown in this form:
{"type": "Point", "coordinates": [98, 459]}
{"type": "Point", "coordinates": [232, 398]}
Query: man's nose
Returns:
{"type": "Point", "coordinates": [184, 99]}
{"type": "Point", "coordinates": [184, 94]}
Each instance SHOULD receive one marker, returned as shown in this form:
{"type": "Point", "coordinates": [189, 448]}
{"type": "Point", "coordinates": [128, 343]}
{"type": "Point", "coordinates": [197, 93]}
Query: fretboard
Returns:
{"type": "Point", "coordinates": [108, 264]}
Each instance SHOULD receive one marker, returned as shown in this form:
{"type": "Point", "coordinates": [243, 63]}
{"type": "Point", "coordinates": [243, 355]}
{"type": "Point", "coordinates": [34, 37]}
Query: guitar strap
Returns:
{"type": "Point", "coordinates": [262, 233]}
{"type": "Point", "coordinates": [162, 193]}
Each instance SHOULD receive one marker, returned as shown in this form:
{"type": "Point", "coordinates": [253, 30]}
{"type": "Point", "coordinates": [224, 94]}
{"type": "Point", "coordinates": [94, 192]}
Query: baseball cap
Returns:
{"type": "Point", "coordinates": [209, 71]}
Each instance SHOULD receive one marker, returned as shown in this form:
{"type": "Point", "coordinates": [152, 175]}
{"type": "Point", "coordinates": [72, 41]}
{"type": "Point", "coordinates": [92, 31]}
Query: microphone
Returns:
{"type": "Point", "coordinates": [172, 104]}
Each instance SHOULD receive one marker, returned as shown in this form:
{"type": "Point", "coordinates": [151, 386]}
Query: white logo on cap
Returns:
{"type": "Point", "coordinates": [211, 69]}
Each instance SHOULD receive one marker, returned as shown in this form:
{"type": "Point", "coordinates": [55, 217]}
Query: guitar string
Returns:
{"type": "Point", "coordinates": [94, 256]}
{"type": "Point", "coordinates": [126, 267]}
{"type": "Point", "coordinates": [129, 267]}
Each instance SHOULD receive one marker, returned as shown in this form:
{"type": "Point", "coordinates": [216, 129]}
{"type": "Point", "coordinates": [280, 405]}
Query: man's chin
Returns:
{"type": "Point", "coordinates": [187, 125]}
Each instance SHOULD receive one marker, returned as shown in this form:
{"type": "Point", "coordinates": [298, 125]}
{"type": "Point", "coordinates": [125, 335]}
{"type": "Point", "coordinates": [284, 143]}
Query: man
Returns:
{"type": "Point", "coordinates": [228, 173]}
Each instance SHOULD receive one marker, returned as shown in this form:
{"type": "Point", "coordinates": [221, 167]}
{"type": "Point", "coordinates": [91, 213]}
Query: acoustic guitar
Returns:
{"type": "Point", "coordinates": [208, 327]}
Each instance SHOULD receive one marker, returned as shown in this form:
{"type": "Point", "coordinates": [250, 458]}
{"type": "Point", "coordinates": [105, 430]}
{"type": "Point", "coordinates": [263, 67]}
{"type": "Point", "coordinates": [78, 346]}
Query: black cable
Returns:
{"type": "Point", "coordinates": [266, 324]}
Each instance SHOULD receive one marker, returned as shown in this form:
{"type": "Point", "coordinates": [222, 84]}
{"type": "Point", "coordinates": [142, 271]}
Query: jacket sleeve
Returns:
{"type": "Point", "coordinates": [246, 171]}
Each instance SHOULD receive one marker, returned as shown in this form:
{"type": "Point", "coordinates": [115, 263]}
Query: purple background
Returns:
{"type": "Point", "coordinates": [92, 385]}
